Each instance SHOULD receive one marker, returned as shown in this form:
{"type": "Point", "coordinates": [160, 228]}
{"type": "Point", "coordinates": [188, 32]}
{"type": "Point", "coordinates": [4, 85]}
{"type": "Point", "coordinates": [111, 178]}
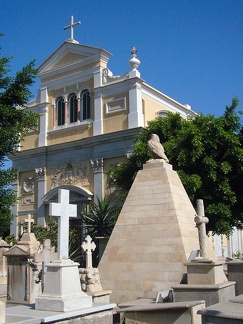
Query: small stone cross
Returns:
{"type": "Point", "coordinates": [29, 220]}
{"type": "Point", "coordinates": [72, 24]}
{"type": "Point", "coordinates": [201, 222]}
{"type": "Point", "coordinates": [88, 246]}
{"type": "Point", "coordinates": [63, 210]}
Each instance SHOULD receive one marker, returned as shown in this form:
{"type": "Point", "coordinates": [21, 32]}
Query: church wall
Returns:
{"type": "Point", "coordinates": [69, 135]}
{"type": "Point", "coordinates": [115, 123]}
{"type": "Point", "coordinates": [30, 141]}
{"type": "Point", "coordinates": [151, 107]}
{"type": "Point", "coordinates": [115, 113]}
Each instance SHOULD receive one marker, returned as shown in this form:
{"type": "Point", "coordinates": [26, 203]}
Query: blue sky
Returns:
{"type": "Point", "coordinates": [191, 50]}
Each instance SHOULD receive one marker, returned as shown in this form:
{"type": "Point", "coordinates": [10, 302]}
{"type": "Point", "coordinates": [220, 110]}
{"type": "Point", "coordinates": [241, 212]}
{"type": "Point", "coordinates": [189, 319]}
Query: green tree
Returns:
{"type": "Point", "coordinates": [15, 122]}
{"type": "Point", "coordinates": [207, 153]}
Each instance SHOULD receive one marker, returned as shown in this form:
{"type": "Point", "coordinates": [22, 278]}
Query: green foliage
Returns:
{"type": "Point", "coordinates": [15, 123]}
{"type": "Point", "coordinates": [99, 220]}
{"type": "Point", "coordinates": [50, 231]}
{"type": "Point", "coordinates": [208, 155]}
{"type": "Point", "coordinates": [238, 256]}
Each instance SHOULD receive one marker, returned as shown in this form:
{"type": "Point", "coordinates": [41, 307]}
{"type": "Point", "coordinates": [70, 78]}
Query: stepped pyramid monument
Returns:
{"type": "Point", "coordinates": [154, 235]}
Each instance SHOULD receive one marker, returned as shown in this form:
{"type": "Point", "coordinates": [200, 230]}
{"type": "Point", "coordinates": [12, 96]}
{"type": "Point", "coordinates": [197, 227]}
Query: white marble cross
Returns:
{"type": "Point", "coordinates": [63, 210]}
{"type": "Point", "coordinates": [72, 24]}
{"type": "Point", "coordinates": [29, 220]}
{"type": "Point", "coordinates": [88, 246]}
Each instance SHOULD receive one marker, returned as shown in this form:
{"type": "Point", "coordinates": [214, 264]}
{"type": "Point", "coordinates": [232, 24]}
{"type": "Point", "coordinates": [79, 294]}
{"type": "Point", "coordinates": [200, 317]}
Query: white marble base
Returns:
{"type": "Point", "coordinates": [64, 304]}
{"type": "Point", "coordinates": [62, 288]}
{"type": "Point", "coordinates": [2, 312]}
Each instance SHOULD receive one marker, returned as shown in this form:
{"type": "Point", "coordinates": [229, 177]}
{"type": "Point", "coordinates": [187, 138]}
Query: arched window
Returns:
{"type": "Point", "coordinates": [60, 106]}
{"type": "Point", "coordinates": [73, 108]}
{"type": "Point", "coordinates": [85, 100]}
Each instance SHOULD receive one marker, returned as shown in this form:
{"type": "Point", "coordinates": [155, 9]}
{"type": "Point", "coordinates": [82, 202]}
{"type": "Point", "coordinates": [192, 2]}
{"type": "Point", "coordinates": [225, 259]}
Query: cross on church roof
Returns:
{"type": "Point", "coordinates": [63, 210]}
{"type": "Point", "coordinates": [72, 24]}
{"type": "Point", "coordinates": [29, 220]}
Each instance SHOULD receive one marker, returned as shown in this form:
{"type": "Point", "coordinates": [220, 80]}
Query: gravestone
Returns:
{"type": "Point", "coordinates": [4, 247]}
{"type": "Point", "coordinates": [21, 286]}
{"type": "Point", "coordinates": [44, 257]}
{"type": "Point", "coordinates": [90, 277]}
{"type": "Point", "coordinates": [154, 235]}
{"type": "Point", "coordinates": [205, 278]}
{"type": "Point", "coordinates": [88, 246]}
{"type": "Point", "coordinates": [62, 289]}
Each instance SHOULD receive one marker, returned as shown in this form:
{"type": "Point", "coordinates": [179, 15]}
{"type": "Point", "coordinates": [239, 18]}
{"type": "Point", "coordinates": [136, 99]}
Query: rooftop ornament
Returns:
{"type": "Point", "coordinates": [134, 62]}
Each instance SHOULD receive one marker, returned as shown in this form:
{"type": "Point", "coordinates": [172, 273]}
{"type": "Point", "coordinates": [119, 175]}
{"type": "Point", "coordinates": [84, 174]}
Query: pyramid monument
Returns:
{"type": "Point", "coordinates": [154, 235]}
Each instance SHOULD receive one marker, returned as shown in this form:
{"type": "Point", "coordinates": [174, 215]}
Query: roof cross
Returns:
{"type": "Point", "coordinates": [29, 220]}
{"type": "Point", "coordinates": [63, 210]}
{"type": "Point", "coordinates": [72, 24]}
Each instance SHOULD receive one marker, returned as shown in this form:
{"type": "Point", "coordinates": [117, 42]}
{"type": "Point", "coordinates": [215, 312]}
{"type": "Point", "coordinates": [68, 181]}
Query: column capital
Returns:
{"type": "Point", "coordinates": [40, 173]}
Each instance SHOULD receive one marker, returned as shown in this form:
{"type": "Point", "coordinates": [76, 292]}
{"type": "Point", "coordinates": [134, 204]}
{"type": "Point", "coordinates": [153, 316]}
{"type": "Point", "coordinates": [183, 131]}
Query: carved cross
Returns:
{"type": "Point", "coordinates": [201, 222]}
{"type": "Point", "coordinates": [63, 210]}
{"type": "Point", "coordinates": [88, 246]}
{"type": "Point", "coordinates": [29, 220]}
{"type": "Point", "coordinates": [72, 24]}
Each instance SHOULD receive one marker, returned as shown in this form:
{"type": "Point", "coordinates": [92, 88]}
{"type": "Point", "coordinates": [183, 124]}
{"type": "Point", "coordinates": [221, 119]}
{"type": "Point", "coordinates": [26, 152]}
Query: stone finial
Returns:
{"type": "Point", "coordinates": [134, 62]}
{"type": "Point", "coordinates": [201, 222]}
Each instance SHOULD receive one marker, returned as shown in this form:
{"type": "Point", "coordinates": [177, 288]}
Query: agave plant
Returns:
{"type": "Point", "coordinates": [99, 220]}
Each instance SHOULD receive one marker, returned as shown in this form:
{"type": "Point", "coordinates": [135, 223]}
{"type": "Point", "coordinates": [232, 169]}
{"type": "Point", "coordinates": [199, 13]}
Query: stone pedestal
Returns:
{"type": "Point", "coordinates": [205, 280]}
{"type": "Point", "coordinates": [235, 273]}
{"type": "Point", "coordinates": [212, 294]}
{"type": "Point", "coordinates": [224, 313]}
{"type": "Point", "coordinates": [62, 291]}
{"type": "Point", "coordinates": [205, 272]}
{"type": "Point", "coordinates": [166, 313]}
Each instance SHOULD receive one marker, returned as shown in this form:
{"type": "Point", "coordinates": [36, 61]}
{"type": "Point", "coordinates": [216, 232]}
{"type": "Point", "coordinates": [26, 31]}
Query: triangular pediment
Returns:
{"type": "Point", "coordinates": [68, 55]}
{"type": "Point", "coordinates": [17, 251]}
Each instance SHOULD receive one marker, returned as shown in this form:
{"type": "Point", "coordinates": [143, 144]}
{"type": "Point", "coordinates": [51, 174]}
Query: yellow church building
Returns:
{"type": "Point", "coordinates": [88, 119]}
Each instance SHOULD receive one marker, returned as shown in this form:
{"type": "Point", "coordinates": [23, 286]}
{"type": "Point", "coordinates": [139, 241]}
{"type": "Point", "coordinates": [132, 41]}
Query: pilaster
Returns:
{"type": "Point", "coordinates": [14, 210]}
{"type": "Point", "coordinates": [41, 189]}
{"type": "Point", "coordinates": [42, 140]}
{"type": "Point", "coordinates": [98, 114]}
{"type": "Point", "coordinates": [135, 116]}
{"type": "Point", "coordinates": [97, 166]}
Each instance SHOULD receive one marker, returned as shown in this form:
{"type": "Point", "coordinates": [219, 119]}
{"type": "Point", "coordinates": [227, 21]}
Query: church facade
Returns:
{"type": "Point", "coordinates": [88, 118]}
